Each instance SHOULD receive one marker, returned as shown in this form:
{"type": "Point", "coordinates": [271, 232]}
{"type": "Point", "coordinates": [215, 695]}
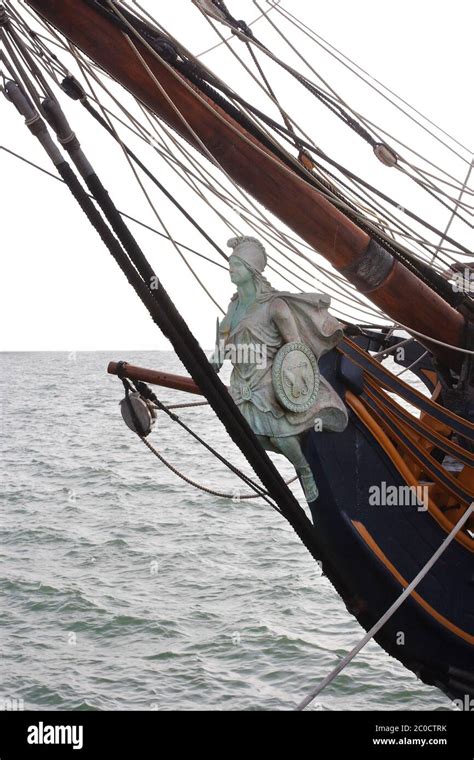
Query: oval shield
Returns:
{"type": "Point", "coordinates": [295, 376]}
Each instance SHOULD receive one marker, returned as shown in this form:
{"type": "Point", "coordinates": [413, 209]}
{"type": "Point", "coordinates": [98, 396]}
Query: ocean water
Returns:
{"type": "Point", "coordinates": [124, 588]}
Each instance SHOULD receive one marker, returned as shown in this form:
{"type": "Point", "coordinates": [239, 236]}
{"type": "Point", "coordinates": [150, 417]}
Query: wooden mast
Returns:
{"type": "Point", "coordinates": [385, 281]}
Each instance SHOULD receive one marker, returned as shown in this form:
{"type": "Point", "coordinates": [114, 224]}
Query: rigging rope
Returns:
{"type": "Point", "coordinates": [188, 72]}
{"type": "Point", "coordinates": [313, 35]}
{"type": "Point", "coordinates": [235, 495]}
{"type": "Point", "coordinates": [358, 115]}
{"type": "Point", "coordinates": [322, 96]}
{"type": "Point", "coordinates": [286, 241]}
{"type": "Point", "coordinates": [138, 271]}
{"type": "Point", "coordinates": [350, 317]}
{"type": "Point", "coordinates": [450, 221]}
{"type": "Point", "coordinates": [75, 90]}
{"type": "Point", "coordinates": [146, 392]}
{"type": "Point", "coordinates": [155, 28]}
{"type": "Point", "coordinates": [130, 156]}
{"type": "Point", "coordinates": [122, 213]}
{"type": "Point", "coordinates": [424, 273]}
{"type": "Point", "coordinates": [344, 284]}
{"type": "Point", "coordinates": [180, 115]}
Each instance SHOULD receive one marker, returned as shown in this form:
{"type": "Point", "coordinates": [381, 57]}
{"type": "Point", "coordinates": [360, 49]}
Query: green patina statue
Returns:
{"type": "Point", "coordinates": [274, 340]}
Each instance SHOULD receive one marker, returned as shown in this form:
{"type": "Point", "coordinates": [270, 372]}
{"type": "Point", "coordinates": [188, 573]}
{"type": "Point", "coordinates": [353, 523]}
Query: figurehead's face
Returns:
{"type": "Point", "coordinates": [239, 273]}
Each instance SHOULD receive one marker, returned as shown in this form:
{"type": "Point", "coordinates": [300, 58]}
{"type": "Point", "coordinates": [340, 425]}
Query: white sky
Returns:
{"type": "Point", "coordinates": [60, 288]}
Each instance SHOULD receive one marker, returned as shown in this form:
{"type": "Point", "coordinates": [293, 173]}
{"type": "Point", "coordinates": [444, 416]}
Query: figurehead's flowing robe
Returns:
{"type": "Point", "coordinates": [251, 382]}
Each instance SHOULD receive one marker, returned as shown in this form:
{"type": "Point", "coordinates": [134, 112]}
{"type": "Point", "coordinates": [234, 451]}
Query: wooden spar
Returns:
{"type": "Point", "coordinates": [154, 377]}
{"type": "Point", "coordinates": [395, 289]}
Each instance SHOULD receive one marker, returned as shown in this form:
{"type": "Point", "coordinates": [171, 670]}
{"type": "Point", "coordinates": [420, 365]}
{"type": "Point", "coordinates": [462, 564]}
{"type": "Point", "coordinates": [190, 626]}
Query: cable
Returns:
{"type": "Point", "coordinates": [164, 313]}
{"type": "Point", "coordinates": [285, 13]}
{"type": "Point", "coordinates": [122, 213]}
{"type": "Point", "coordinates": [286, 240]}
{"type": "Point", "coordinates": [397, 205]}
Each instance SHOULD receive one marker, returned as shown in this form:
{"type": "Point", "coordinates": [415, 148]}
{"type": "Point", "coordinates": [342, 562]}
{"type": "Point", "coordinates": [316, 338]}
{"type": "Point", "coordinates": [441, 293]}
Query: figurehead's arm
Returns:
{"type": "Point", "coordinates": [284, 320]}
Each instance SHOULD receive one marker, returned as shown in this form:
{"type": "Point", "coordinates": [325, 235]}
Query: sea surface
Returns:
{"type": "Point", "coordinates": [124, 588]}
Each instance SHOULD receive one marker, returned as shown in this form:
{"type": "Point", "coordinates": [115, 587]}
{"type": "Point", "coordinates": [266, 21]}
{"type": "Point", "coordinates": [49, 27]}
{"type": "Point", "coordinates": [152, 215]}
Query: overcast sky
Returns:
{"type": "Point", "coordinates": [60, 288]}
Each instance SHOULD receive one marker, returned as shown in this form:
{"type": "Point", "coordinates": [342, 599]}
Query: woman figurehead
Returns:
{"type": "Point", "coordinates": [259, 315]}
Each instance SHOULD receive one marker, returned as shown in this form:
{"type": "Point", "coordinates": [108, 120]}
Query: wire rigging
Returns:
{"type": "Point", "coordinates": [203, 181]}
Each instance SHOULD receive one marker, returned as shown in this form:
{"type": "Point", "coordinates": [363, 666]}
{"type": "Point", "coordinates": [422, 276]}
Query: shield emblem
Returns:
{"type": "Point", "coordinates": [295, 376]}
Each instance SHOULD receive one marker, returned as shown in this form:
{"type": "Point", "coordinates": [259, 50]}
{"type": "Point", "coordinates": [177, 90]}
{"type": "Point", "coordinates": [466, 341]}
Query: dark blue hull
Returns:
{"type": "Point", "coordinates": [371, 552]}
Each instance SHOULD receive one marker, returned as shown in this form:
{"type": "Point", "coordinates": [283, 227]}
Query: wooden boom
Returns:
{"type": "Point", "coordinates": [155, 377]}
{"type": "Point", "coordinates": [384, 280]}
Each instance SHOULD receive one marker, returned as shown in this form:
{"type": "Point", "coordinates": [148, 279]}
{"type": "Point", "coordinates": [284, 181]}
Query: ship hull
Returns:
{"type": "Point", "coordinates": [373, 549]}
